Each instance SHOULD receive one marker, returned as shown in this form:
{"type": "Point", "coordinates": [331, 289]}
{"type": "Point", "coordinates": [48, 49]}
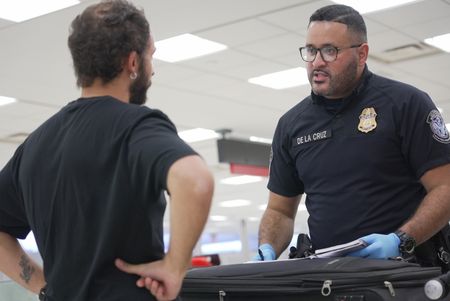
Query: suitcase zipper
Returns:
{"type": "Point", "coordinates": [222, 294]}
{"type": "Point", "coordinates": [390, 288]}
{"type": "Point", "coordinates": [326, 288]}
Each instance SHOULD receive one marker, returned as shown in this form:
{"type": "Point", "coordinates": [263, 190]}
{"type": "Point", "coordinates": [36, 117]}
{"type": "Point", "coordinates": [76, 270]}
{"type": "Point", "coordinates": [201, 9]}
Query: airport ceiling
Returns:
{"type": "Point", "coordinates": [212, 91]}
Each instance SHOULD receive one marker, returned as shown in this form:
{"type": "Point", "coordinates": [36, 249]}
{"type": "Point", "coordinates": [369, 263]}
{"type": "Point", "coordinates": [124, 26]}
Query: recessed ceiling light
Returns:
{"type": "Point", "coordinates": [260, 139]}
{"type": "Point", "coordinates": [198, 134]}
{"type": "Point", "coordinates": [6, 100]}
{"type": "Point", "coordinates": [364, 7]}
{"type": "Point", "coordinates": [240, 180]}
{"type": "Point", "coordinates": [184, 47]}
{"type": "Point", "coordinates": [282, 79]}
{"type": "Point", "coordinates": [235, 203]}
{"type": "Point", "coordinates": [218, 218]}
{"type": "Point", "coordinates": [441, 42]}
{"type": "Point", "coordinates": [262, 207]}
{"type": "Point", "coordinates": [21, 10]}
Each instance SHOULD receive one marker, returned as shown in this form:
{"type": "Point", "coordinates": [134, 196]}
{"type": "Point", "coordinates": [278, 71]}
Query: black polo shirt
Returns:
{"type": "Point", "coordinates": [89, 183]}
{"type": "Point", "coordinates": [360, 169]}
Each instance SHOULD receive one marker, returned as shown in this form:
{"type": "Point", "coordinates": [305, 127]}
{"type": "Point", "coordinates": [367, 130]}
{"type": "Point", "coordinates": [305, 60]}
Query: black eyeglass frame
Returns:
{"type": "Point", "coordinates": [317, 50]}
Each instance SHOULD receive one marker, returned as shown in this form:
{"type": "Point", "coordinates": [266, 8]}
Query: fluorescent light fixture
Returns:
{"type": "Point", "coordinates": [198, 134]}
{"type": "Point", "coordinates": [448, 126]}
{"type": "Point", "coordinates": [282, 79]}
{"type": "Point", "coordinates": [240, 180]}
{"type": "Point", "coordinates": [441, 42]}
{"type": "Point", "coordinates": [185, 47]}
{"type": "Point", "coordinates": [218, 218]}
{"type": "Point", "coordinates": [262, 207]}
{"type": "Point", "coordinates": [21, 10]}
{"type": "Point", "coordinates": [253, 219]}
{"type": "Point", "coordinates": [6, 100]}
{"type": "Point", "coordinates": [364, 7]}
{"type": "Point", "coordinates": [261, 140]}
{"type": "Point", "coordinates": [235, 203]}
{"type": "Point", "coordinates": [222, 247]}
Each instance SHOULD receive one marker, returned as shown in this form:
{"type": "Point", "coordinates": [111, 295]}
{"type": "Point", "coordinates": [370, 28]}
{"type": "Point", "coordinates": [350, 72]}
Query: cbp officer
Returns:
{"type": "Point", "coordinates": [371, 154]}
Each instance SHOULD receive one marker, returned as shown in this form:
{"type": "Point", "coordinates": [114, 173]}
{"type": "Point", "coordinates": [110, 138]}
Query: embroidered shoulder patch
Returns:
{"type": "Point", "coordinates": [438, 128]}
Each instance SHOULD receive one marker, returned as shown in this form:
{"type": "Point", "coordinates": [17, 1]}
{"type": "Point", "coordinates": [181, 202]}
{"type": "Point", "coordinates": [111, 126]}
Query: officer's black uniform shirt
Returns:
{"type": "Point", "coordinates": [357, 182]}
{"type": "Point", "coordinates": [89, 183]}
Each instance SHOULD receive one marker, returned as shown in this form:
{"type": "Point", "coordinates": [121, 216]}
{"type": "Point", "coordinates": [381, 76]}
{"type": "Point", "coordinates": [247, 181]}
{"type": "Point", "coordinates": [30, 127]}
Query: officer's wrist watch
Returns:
{"type": "Point", "coordinates": [407, 243]}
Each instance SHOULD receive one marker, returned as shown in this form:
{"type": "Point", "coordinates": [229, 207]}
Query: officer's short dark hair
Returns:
{"type": "Point", "coordinates": [102, 36]}
{"type": "Point", "coordinates": [342, 14]}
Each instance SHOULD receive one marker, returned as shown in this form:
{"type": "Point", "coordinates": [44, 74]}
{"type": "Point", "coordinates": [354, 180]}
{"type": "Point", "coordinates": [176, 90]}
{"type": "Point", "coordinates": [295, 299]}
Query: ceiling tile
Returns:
{"type": "Point", "coordinates": [243, 32]}
{"type": "Point", "coordinates": [286, 44]}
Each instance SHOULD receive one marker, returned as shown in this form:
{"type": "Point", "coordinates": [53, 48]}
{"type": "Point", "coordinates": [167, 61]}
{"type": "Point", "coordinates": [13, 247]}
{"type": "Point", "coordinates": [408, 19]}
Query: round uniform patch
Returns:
{"type": "Point", "coordinates": [437, 125]}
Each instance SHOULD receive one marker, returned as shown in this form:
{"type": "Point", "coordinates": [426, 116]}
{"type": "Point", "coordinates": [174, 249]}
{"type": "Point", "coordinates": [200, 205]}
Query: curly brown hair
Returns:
{"type": "Point", "coordinates": [102, 36]}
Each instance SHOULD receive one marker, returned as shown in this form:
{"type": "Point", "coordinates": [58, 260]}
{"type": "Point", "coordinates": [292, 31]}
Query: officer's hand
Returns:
{"type": "Point", "coordinates": [160, 278]}
{"type": "Point", "coordinates": [265, 252]}
{"type": "Point", "coordinates": [380, 246]}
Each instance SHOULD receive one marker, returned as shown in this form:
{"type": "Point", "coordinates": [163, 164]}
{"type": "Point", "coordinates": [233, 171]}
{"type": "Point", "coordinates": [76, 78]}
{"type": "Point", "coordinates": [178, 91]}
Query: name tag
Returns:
{"type": "Point", "coordinates": [325, 134]}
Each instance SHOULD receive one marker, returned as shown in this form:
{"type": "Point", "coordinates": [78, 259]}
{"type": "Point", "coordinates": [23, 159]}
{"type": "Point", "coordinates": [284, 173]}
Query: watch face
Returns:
{"type": "Point", "coordinates": [409, 245]}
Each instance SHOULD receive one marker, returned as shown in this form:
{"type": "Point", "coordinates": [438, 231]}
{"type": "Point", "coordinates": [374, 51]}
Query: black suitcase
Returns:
{"type": "Point", "coordinates": [336, 279]}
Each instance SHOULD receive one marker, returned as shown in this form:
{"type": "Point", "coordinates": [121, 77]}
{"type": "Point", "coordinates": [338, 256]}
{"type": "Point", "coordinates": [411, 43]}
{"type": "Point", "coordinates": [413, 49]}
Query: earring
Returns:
{"type": "Point", "coordinates": [133, 75]}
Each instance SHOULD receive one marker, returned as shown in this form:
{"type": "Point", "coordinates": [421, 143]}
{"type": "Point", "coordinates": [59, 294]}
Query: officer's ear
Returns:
{"type": "Point", "coordinates": [363, 53]}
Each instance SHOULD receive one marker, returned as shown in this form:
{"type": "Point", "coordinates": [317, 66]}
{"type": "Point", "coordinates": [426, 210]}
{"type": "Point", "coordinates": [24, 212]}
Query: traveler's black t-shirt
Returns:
{"type": "Point", "coordinates": [89, 183]}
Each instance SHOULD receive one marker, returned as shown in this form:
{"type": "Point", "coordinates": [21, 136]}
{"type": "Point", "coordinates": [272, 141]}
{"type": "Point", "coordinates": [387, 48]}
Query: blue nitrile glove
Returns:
{"type": "Point", "coordinates": [380, 246]}
{"type": "Point", "coordinates": [265, 252]}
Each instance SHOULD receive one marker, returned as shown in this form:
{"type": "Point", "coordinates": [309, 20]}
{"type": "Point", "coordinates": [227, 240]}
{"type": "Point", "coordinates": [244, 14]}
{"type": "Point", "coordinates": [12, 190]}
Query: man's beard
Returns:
{"type": "Point", "coordinates": [138, 88]}
{"type": "Point", "coordinates": [339, 84]}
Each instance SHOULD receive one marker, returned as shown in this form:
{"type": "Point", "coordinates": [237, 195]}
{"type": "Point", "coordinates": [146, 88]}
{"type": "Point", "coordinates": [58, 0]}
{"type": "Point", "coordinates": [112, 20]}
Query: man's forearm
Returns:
{"type": "Point", "coordinates": [432, 214]}
{"type": "Point", "coordinates": [276, 229]}
{"type": "Point", "coordinates": [18, 266]}
{"type": "Point", "coordinates": [191, 186]}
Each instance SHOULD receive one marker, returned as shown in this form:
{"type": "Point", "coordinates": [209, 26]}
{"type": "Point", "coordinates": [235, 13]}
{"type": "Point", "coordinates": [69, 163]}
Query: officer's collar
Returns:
{"type": "Point", "coordinates": [357, 91]}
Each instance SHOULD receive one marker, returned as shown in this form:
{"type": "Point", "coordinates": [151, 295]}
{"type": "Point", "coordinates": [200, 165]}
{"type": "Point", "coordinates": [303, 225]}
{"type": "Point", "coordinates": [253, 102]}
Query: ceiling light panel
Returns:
{"type": "Point", "coordinates": [235, 203]}
{"type": "Point", "coordinates": [6, 100]}
{"type": "Point", "coordinates": [218, 218]}
{"type": "Point", "coordinates": [185, 47]}
{"type": "Point", "coordinates": [198, 134]}
{"type": "Point", "coordinates": [241, 180]}
{"type": "Point", "coordinates": [21, 10]}
{"type": "Point", "coordinates": [282, 79]}
{"type": "Point", "coordinates": [364, 7]}
{"type": "Point", "coordinates": [442, 42]}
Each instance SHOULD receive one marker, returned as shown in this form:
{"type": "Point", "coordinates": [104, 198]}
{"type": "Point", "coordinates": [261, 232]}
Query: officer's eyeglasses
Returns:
{"type": "Point", "coordinates": [329, 53]}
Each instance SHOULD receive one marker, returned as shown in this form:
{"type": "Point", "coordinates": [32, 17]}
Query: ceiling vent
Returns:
{"type": "Point", "coordinates": [405, 52]}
